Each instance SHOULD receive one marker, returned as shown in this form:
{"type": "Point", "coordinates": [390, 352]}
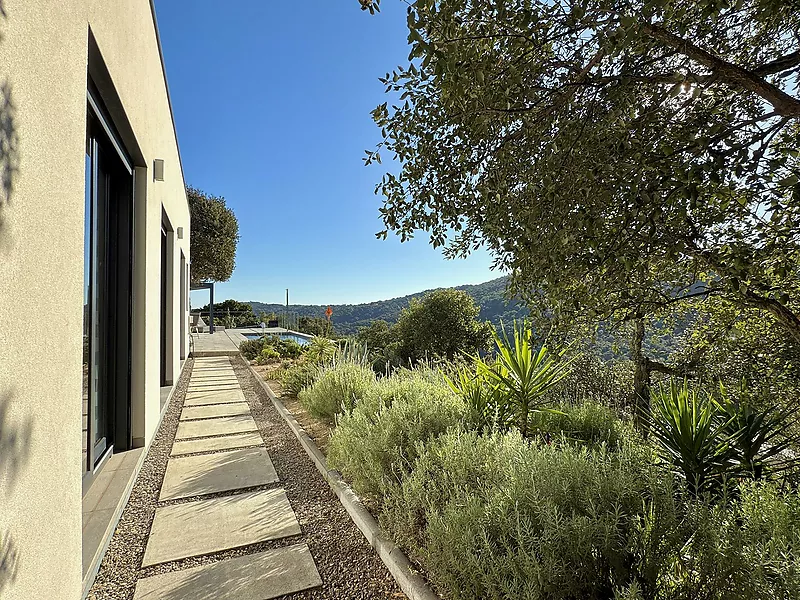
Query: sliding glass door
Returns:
{"type": "Point", "coordinates": [106, 291]}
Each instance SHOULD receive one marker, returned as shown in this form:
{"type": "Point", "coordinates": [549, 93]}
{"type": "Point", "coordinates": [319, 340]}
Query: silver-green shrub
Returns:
{"type": "Point", "coordinates": [337, 390]}
{"type": "Point", "coordinates": [376, 444]}
{"type": "Point", "coordinates": [496, 516]}
{"type": "Point", "coordinates": [589, 422]}
{"type": "Point", "coordinates": [296, 377]}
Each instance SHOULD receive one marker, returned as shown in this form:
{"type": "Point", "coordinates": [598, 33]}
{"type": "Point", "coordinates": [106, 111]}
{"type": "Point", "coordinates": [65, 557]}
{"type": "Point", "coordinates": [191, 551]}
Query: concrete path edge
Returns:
{"type": "Point", "coordinates": [412, 584]}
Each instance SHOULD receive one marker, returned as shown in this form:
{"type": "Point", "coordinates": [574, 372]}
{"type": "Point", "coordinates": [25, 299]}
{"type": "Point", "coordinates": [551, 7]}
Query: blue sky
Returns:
{"type": "Point", "coordinates": [272, 103]}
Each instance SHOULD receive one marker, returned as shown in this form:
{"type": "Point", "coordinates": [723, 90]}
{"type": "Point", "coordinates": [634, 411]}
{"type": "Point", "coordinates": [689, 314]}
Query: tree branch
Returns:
{"type": "Point", "coordinates": [782, 313]}
{"type": "Point", "coordinates": [784, 104]}
{"type": "Point", "coordinates": [779, 65]}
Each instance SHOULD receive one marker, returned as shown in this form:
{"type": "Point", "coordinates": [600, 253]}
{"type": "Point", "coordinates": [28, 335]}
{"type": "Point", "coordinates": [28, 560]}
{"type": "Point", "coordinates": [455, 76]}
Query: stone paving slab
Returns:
{"type": "Point", "coordinates": [221, 472]}
{"type": "Point", "coordinates": [208, 380]}
{"type": "Point", "coordinates": [216, 376]}
{"type": "Point", "coordinates": [204, 387]}
{"type": "Point", "coordinates": [219, 426]}
{"type": "Point", "coordinates": [259, 576]}
{"type": "Point", "coordinates": [218, 382]}
{"type": "Point", "coordinates": [214, 373]}
{"type": "Point", "coordinates": [202, 384]}
{"type": "Point", "coordinates": [231, 409]}
{"type": "Point", "coordinates": [216, 524]}
{"type": "Point", "coordinates": [227, 442]}
{"type": "Point", "coordinates": [212, 364]}
{"type": "Point", "coordinates": [203, 398]}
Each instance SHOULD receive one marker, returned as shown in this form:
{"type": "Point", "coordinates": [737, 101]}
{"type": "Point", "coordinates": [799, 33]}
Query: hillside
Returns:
{"type": "Point", "coordinates": [347, 318]}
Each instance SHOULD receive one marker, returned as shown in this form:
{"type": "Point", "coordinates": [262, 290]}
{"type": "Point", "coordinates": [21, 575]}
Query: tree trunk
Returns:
{"type": "Point", "coordinates": [641, 377]}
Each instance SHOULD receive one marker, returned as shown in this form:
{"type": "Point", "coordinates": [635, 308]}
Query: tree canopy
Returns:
{"type": "Point", "coordinates": [233, 313]}
{"type": "Point", "coordinates": [443, 324]}
{"type": "Point", "coordinates": [615, 157]}
{"type": "Point", "coordinates": [215, 235]}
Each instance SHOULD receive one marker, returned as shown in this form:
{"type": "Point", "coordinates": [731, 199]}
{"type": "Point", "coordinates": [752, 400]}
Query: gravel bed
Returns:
{"type": "Point", "coordinates": [350, 568]}
{"type": "Point", "coordinates": [348, 565]}
{"type": "Point", "coordinates": [119, 570]}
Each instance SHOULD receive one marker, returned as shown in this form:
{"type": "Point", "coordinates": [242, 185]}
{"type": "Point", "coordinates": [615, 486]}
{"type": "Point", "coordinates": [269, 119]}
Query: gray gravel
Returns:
{"type": "Point", "coordinates": [119, 570]}
{"type": "Point", "coordinates": [347, 564]}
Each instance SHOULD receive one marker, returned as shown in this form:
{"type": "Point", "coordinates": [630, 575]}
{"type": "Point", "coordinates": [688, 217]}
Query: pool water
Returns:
{"type": "Point", "coordinates": [303, 341]}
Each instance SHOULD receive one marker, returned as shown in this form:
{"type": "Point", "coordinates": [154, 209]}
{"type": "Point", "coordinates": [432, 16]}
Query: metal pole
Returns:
{"type": "Point", "coordinates": [211, 311]}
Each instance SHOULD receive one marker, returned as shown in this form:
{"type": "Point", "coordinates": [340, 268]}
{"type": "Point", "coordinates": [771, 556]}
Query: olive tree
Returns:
{"type": "Point", "coordinates": [215, 235]}
{"type": "Point", "coordinates": [618, 158]}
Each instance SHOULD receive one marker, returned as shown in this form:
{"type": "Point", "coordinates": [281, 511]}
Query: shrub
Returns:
{"type": "Point", "coordinates": [321, 350]}
{"type": "Point", "coordinates": [487, 409]}
{"type": "Point", "coordinates": [295, 378]}
{"type": "Point", "coordinates": [496, 516]}
{"type": "Point", "coordinates": [758, 436]}
{"type": "Point", "coordinates": [352, 351]}
{"type": "Point", "coordinates": [691, 437]}
{"type": "Point", "coordinates": [267, 354]}
{"type": "Point", "coordinates": [337, 390]}
{"type": "Point", "coordinates": [288, 348]}
{"type": "Point", "coordinates": [589, 422]}
{"type": "Point", "coordinates": [376, 444]}
{"type": "Point", "coordinates": [747, 549]}
{"type": "Point", "coordinates": [251, 349]}
{"type": "Point", "coordinates": [593, 379]}
{"type": "Point", "coordinates": [512, 390]}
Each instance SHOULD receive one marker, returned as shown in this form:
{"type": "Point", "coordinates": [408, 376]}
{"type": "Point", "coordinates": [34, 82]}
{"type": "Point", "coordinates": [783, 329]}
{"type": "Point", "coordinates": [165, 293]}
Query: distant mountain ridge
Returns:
{"type": "Point", "coordinates": [348, 318]}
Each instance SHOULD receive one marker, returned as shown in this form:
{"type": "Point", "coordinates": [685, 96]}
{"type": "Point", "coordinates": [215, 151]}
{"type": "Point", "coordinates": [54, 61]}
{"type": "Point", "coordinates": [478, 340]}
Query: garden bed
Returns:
{"type": "Point", "coordinates": [317, 429]}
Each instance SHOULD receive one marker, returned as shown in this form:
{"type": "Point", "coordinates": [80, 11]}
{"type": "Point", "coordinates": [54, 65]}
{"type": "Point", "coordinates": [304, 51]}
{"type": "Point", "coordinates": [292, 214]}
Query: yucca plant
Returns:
{"type": "Point", "coordinates": [758, 437]}
{"type": "Point", "coordinates": [485, 407]}
{"type": "Point", "coordinates": [321, 350]}
{"type": "Point", "coordinates": [522, 374]}
{"type": "Point", "coordinates": [692, 437]}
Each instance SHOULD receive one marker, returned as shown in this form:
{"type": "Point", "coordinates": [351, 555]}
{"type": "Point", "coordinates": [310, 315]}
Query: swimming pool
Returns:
{"type": "Point", "coordinates": [302, 340]}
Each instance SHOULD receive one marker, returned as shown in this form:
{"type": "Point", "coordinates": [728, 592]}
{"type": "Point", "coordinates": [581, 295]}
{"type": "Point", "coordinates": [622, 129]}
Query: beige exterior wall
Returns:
{"type": "Point", "coordinates": [44, 48]}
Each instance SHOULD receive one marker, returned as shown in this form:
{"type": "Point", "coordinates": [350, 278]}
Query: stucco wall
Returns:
{"type": "Point", "coordinates": [43, 71]}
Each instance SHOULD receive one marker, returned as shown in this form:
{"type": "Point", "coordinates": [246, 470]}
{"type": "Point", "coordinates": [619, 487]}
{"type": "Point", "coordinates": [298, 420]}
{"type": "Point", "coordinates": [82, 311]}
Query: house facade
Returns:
{"type": "Point", "coordinates": [94, 273]}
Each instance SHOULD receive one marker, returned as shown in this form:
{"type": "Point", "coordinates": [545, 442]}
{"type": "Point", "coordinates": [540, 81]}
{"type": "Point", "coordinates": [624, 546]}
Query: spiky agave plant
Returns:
{"type": "Point", "coordinates": [522, 374]}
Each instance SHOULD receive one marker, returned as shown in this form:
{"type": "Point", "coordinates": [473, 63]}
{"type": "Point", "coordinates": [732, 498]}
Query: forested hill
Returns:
{"type": "Point", "coordinates": [347, 318]}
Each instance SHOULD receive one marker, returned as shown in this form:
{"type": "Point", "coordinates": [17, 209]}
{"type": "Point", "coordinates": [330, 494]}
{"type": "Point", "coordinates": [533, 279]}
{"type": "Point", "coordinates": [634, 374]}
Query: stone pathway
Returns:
{"type": "Point", "coordinates": [207, 503]}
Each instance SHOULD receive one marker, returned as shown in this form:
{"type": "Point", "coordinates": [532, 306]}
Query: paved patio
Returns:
{"type": "Point", "coordinates": [225, 342]}
{"type": "Point", "coordinates": [207, 503]}
{"type": "Point", "coordinates": [218, 344]}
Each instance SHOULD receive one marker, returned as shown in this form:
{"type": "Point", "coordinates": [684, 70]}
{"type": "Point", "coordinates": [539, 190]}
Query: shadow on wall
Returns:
{"type": "Point", "coordinates": [14, 440]}
{"type": "Point", "coordinates": [9, 148]}
{"type": "Point", "coordinates": [14, 449]}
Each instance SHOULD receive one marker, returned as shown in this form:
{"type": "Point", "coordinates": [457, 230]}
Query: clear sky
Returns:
{"type": "Point", "coordinates": [272, 103]}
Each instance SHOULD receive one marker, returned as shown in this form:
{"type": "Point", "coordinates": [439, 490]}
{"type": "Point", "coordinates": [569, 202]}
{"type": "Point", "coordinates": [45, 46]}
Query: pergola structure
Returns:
{"type": "Point", "coordinates": [210, 287]}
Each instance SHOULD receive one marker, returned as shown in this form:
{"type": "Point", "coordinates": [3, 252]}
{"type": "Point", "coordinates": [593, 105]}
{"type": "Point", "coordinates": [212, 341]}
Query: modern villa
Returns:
{"type": "Point", "coordinates": [94, 259]}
